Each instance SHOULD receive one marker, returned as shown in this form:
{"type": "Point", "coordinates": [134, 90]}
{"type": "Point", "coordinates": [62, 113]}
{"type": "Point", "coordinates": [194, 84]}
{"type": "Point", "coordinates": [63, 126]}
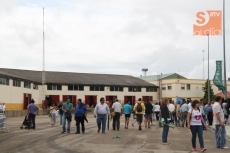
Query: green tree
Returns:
{"type": "Point", "coordinates": [212, 96]}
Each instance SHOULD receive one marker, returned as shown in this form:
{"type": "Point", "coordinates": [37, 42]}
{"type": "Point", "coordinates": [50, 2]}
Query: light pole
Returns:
{"type": "Point", "coordinates": [203, 64]}
{"type": "Point", "coordinates": [208, 72]}
{"type": "Point", "coordinates": [225, 82]}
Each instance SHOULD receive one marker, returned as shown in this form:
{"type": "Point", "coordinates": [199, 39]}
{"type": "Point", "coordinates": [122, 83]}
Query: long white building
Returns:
{"type": "Point", "coordinates": [18, 87]}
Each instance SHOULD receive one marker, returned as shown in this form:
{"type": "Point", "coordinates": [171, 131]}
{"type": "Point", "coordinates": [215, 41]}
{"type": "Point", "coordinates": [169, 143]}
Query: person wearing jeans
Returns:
{"type": "Point", "coordinates": [195, 120]}
{"type": "Point", "coordinates": [220, 132]}
{"type": "Point", "coordinates": [60, 112]}
{"type": "Point", "coordinates": [101, 111]}
{"type": "Point", "coordinates": [66, 108]}
{"type": "Point", "coordinates": [32, 108]}
{"type": "Point", "coordinates": [165, 118]}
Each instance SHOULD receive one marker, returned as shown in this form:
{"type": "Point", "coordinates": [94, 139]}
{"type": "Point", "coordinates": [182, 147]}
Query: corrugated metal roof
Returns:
{"type": "Point", "coordinates": [75, 78]}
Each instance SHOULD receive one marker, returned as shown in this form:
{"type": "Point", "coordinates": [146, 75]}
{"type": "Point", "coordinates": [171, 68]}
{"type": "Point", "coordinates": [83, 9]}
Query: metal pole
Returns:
{"type": "Point", "coordinates": [203, 64]}
{"type": "Point", "coordinates": [225, 80]}
{"type": "Point", "coordinates": [43, 65]}
{"type": "Point", "coordinates": [208, 73]}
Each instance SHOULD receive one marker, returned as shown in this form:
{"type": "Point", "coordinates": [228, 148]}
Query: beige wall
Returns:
{"type": "Point", "coordinates": [13, 96]}
{"type": "Point", "coordinates": [195, 91]}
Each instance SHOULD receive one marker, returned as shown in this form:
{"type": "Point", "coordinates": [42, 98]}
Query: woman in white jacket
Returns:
{"type": "Point", "coordinates": [53, 113]}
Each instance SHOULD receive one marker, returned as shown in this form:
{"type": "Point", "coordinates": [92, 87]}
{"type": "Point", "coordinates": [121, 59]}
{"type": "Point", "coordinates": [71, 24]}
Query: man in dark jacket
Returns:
{"type": "Point", "coordinates": [80, 114]}
{"type": "Point", "coordinates": [148, 113]}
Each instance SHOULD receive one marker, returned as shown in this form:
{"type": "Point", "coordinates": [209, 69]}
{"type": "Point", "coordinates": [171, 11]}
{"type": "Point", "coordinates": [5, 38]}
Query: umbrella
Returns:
{"type": "Point", "coordinates": [179, 100]}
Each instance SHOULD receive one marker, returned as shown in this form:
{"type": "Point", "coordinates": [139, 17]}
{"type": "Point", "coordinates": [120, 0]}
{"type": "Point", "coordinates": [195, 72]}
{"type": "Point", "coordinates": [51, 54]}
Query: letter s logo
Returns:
{"type": "Point", "coordinates": [202, 18]}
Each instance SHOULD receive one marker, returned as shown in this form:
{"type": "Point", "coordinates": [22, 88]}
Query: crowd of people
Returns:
{"type": "Point", "coordinates": [191, 114]}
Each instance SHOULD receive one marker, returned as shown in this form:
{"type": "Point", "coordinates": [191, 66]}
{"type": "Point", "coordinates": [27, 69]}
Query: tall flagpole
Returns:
{"type": "Point", "coordinates": [43, 66]}
{"type": "Point", "coordinates": [225, 80]}
{"type": "Point", "coordinates": [208, 73]}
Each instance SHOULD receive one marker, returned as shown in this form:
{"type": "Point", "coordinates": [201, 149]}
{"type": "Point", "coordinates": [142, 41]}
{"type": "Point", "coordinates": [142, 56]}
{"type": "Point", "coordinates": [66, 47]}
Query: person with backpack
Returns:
{"type": "Point", "coordinates": [80, 115]}
{"type": "Point", "coordinates": [195, 120]}
{"type": "Point", "coordinates": [139, 108]}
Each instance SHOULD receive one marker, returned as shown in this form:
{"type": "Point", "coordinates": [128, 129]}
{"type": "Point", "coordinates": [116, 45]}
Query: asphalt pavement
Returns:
{"type": "Point", "coordinates": [48, 139]}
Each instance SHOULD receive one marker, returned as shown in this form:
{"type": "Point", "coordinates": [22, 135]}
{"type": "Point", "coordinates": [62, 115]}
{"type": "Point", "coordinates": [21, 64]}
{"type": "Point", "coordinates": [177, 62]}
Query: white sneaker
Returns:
{"type": "Point", "coordinates": [224, 148]}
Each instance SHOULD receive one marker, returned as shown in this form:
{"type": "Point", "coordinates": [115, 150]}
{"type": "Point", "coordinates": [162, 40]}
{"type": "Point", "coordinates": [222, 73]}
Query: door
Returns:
{"type": "Point", "coordinates": [94, 101]}
{"type": "Point", "coordinates": [133, 100]}
{"type": "Point", "coordinates": [74, 97]}
{"type": "Point", "coordinates": [87, 100]}
{"type": "Point", "coordinates": [55, 99]}
{"type": "Point", "coordinates": [26, 100]}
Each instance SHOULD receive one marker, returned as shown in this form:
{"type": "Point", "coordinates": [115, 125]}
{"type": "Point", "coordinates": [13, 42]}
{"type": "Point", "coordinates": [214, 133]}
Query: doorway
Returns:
{"type": "Point", "coordinates": [73, 99]}
{"type": "Point", "coordinates": [131, 99]}
{"type": "Point", "coordinates": [91, 100]}
{"type": "Point", "coordinates": [110, 99]}
{"type": "Point", "coordinates": [26, 100]}
{"type": "Point", "coordinates": [144, 98]}
{"type": "Point", "coordinates": [52, 99]}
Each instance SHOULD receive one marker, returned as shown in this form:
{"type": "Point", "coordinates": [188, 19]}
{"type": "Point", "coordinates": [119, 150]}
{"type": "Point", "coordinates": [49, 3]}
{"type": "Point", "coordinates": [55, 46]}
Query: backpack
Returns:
{"type": "Point", "coordinates": [139, 108]}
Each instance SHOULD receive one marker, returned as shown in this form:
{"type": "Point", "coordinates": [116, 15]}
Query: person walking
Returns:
{"type": "Point", "coordinates": [195, 120]}
{"type": "Point", "coordinates": [80, 115]}
{"type": "Point", "coordinates": [32, 108]}
{"type": "Point", "coordinates": [220, 132]}
{"type": "Point", "coordinates": [100, 112]}
{"type": "Point", "coordinates": [174, 114]}
{"type": "Point", "coordinates": [153, 110]}
{"type": "Point", "coordinates": [201, 108]}
{"type": "Point", "coordinates": [3, 108]}
{"type": "Point", "coordinates": [60, 112]}
{"type": "Point", "coordinates": [117, 109]}
{"type": "Point", "coordinates": [184, 112]}
{"type": "Point", "coordinates": [66, 108]}
{"type": "Point", "coordinates": [165, 118]}
{"type": "Point", "coordinates": [139, 109]}
{"type": "Point", "coordinates": [157, 111]}
{"type": "Point", "coordinates": [53, 113]}
{"type": "Point", "coordinates": [127, 111]}
{"type": "Point", "coordinates": [148, 113]}
{"type": "Point", "coordinates": [210, 113]}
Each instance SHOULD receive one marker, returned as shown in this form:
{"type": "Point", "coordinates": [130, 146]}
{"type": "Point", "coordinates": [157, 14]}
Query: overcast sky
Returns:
{"type": "Point", "coordinates": [110, 36]}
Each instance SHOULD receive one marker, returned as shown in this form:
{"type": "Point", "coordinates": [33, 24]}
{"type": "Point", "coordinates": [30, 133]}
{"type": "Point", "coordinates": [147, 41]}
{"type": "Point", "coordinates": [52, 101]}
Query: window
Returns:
{"type": "Point", "coordinates": [76, 87]}
{"type": "Point", "coordinates": [27, 85]}
{"type": "Point", "coordinates": [116, 88]}
{"type": "Point", "coordinates": [151, 89]}
{"type": "Point", "coordinates": [54, 87]}
{"type": "Point", "coordinates": [189, 99]}
{"type": "Point", "coordinates": [169, 87]}
{"type": "Point", "coordinates": [188, 86]}
{"type": "Point", "coordinates": [203, 88]}
{"type": "Point", "coordinates": [16, 83]}
{"type": "Point", "coordinates": [163, 87]}
{"type": "Point", "coordinates": [35, 86]}
{"type": "Point", "coordinates": [182, 86]}
{"type": "Point", "coordinates": [134, 89]}
{"type": "Point", "coordinates": [97, 88]}
{"type": "Point", "coordinates": [4, 81]}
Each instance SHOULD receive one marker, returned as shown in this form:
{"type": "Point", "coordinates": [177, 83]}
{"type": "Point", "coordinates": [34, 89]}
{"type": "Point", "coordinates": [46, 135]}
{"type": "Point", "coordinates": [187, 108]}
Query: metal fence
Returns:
{"type": "Point", "coordinates": [3, 125]}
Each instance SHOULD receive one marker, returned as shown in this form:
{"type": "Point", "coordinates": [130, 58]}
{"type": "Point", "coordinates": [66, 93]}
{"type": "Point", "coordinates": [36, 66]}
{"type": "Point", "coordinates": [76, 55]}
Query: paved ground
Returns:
{"type": "Point", "coordinates": [49, 139]}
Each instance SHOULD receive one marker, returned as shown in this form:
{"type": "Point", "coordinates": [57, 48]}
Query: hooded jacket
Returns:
{"type": "Point", "coordinates": [143, 107]}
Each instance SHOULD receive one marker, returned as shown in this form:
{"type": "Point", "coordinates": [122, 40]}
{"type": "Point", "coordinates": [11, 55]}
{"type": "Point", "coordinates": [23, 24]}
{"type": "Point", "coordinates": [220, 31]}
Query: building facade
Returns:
{"type": "Point", "coordinates": [18, 87]}
{"type": "Point", "coordinates": [175, 85]}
